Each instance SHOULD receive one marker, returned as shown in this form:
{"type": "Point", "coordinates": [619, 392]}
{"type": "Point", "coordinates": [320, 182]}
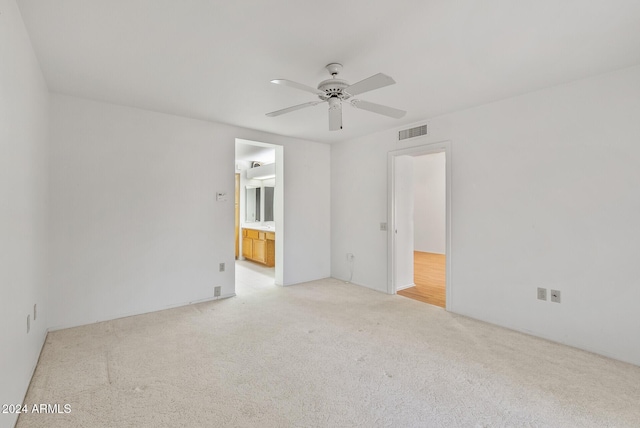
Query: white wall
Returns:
{"type": "Point", "coordinates": [135, 224]}
{"type": "Point", "coordinates": [430, 198]}
{"type": "Point", "coordinates": [544, 193]}
{"type": "Point", "coordinates": [23, 190]}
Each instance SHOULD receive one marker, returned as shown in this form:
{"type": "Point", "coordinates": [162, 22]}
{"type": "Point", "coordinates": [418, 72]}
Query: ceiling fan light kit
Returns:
{"type": "Point", "coordinates": [334, 91]}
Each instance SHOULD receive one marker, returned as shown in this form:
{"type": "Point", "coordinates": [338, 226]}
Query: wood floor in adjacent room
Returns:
{"type": "Point", "coordinates": [429, 277]}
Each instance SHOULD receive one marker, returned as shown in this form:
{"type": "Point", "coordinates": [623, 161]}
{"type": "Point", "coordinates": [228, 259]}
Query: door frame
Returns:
{"type": "Point", "coordinates": [424, 149]}
{"type": "Point", "coordinates": [278, 207]}
{"type": "Point", "coordinates": [237, 214]}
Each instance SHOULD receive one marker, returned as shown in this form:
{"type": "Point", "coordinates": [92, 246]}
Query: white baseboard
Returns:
{"type": "Point", "coordinates": [33, 371]}
{"type": "Point", "coordinates": [132, 314]}
{"type": "Point", "coordinates": [545, 336]}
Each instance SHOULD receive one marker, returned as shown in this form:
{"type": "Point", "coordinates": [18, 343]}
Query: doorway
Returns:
{"type": "Point", "coordinates": [419, 231]}
{"type": "Point", "coordinates": [259, 233]}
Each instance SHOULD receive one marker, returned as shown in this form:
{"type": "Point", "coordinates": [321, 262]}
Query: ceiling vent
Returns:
{"type": "Point", "coordinates": [418, 131]}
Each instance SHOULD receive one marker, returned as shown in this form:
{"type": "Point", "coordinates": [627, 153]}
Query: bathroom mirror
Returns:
{"type": "Point", "coordinates": [268, 203]}
{"type": "Point", "coordinates": [252, 204]}
{"type": "Point", "coordinates": [259, 204]}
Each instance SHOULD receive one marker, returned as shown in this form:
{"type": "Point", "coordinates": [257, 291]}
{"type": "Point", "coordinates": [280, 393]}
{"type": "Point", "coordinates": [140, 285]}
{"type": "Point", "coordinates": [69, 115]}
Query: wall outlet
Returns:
{"type": "Point", "coordinates": [555, 296]}
{"type": "Point", "coordinates": [216, 291]}
{"type": "Point", "coordinates": [383, 226]}
{"type": "Point", "coordinates": [350, 257]}
{"type": "Point", "coordinates": [221, 268]}
{"type": "Point", "coordinates": [35, 311]}
{"type": "Point", "coordinates": [542, 293]}
{"type": "Point", "coordinates": [28, 323]}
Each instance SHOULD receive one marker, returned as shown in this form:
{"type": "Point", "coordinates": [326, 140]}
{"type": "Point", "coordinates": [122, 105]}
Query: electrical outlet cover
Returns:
{"type": "Point", "coordinates": [542, 293]}
{"type": "Point", "coordinates": [555, 296]}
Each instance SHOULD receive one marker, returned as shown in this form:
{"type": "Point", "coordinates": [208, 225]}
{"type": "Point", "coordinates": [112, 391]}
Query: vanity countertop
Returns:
{"type": "Point", "coordinates": [260, 228]}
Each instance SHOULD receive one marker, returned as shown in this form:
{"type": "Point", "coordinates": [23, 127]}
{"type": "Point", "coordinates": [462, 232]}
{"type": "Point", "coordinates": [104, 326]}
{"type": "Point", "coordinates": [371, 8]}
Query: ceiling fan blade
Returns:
{"type": "Point", "coordinates": [335, 116]}
{"type": "Point", "coordinates": [369, 84]}
{"type": "Point", "coordinates": [293, 108]}
{"type": "Point", "coordinates": [297, 85]}
{"type": "Point", "coordinates": [378, 108]}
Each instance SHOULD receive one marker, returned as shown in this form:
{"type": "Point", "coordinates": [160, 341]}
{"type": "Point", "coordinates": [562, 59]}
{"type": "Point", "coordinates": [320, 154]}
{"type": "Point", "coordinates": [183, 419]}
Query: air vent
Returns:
{"type": "Point", "coordinates": [412, 132]}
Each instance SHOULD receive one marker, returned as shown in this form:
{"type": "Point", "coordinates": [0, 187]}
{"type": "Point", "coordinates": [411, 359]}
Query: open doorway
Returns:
{"type": "Point", "coordinates": [259, 210]}
{"type": "Point", "coordinates": [419, 232]}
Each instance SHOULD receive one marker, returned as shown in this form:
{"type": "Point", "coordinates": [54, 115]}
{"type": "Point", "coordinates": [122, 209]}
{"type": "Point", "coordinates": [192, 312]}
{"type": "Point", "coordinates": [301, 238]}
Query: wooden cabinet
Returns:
{"type": "Point", "coordinates": [247, 248]}
{"type": "Point", "coordinates": [259, 246]}
{"type": "Point", "coordinates": [259, 251]}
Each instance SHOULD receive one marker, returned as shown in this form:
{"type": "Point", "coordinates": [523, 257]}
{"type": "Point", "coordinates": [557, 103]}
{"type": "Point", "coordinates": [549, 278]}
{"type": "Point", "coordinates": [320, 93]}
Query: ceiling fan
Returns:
{"type": "Point", "coordinates": [334, 91]}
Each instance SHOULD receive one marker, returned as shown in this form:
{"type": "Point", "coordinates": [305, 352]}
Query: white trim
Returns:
{"type": "Point", "coordinates": [545, 336]}
{"type": "Point", "coordinates": [33, 371]}
{"type": "Point", "coordinates": [404, 287]}
{"type": "Point", "coordinates": [278, 207]}
{"type": "Point", "coordinates": [133, 314]}
{"type": "Point", "coordinates": [424, 149]}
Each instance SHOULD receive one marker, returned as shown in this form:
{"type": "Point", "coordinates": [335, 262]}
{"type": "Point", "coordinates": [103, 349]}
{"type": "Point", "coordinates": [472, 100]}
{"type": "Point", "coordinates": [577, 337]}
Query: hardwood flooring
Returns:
{"type": "Point", "coordinates": [429, 277]}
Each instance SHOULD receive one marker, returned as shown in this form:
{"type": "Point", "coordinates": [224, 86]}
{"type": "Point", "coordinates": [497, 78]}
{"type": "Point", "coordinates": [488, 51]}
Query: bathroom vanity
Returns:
{"type": "Point", "coordinates": [259, 245]}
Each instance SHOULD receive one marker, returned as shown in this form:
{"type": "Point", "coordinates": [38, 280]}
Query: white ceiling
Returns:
{"type": "Point", "coordinates": [214, 60]}
{"type": "Point", "coordinates": [245, 151]}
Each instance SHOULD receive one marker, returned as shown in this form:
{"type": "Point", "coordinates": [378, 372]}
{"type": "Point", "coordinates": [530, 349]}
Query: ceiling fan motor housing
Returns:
{"type": "Point", "coordinates": [333, 88]}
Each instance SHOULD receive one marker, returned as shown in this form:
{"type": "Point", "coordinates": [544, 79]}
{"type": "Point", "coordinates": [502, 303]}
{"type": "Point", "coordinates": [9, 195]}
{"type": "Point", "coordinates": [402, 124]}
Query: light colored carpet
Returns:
{"type": "Point", "coordinates": [323, 354]}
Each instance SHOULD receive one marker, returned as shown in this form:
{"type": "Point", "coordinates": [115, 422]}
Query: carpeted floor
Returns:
{"type": "Point", "coordinates": [322, 354]}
